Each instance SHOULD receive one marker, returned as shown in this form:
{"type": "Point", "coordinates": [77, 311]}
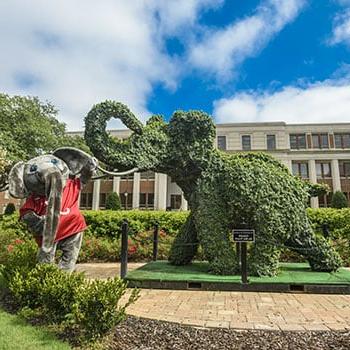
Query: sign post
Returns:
{"type": "Point", "coordinates": [241, 237]}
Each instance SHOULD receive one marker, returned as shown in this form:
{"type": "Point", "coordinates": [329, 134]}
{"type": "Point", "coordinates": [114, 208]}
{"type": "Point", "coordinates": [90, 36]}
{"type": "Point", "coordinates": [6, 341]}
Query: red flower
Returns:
{"type": "Point", "coordinates": [10, 248]}
{"type": "Point", "coordinates": [132, 249]}
{"type": "Point", "coordinates": [18, 241]}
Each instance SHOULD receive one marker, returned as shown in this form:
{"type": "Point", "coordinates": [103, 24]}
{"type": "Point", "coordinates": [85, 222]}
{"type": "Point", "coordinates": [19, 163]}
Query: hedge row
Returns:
{"type": "Point", "coordinates": [108, 223]}
{"type": "Point", "coordinates": [102, 238]}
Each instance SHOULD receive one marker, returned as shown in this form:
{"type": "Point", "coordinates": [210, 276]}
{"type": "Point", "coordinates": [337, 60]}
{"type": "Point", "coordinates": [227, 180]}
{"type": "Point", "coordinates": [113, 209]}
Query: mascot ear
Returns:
{"type": "Point", "coordinates": [76, 159]}
{"type": "Point", "coordinates": [16, 181]}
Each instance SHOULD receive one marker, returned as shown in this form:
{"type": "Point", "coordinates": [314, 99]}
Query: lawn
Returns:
{"type": "Point", "coordinates": [16, 334]}
{"type": "Point", "coordinates": [298, 273]}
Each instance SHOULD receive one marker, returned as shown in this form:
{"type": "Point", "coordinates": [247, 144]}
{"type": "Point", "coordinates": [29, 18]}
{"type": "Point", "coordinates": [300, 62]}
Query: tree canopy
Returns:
{"type": "Point", "coordinates": [28, 128]}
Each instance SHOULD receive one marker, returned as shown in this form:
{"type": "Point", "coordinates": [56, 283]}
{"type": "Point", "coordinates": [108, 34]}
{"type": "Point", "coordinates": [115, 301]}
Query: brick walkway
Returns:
{"type": "Point", "coordinates": [274, 311]}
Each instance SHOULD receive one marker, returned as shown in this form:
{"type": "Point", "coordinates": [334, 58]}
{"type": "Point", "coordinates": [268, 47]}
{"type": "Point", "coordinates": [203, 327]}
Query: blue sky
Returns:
{"type": "Point", "coordinates": [252, 60]}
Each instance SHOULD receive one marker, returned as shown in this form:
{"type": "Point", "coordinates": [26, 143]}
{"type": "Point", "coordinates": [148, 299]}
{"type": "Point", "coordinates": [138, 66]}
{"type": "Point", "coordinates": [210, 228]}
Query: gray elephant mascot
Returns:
{"type": "Point", "coordinates": [51, 185]}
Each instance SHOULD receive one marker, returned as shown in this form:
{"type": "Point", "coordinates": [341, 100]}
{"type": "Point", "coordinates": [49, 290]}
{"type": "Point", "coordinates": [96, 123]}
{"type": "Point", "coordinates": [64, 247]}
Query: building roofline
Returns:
{"type": "Point", "coordinates": [246, 124]}
{"type": "Point", "coordinates": [252, 124]}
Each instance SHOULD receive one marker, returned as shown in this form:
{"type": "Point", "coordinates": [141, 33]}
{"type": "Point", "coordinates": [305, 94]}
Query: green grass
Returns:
{"type": "Point", "coordinates": [16, 334]}
{"type": "Point", "coordinates": [298, 273]}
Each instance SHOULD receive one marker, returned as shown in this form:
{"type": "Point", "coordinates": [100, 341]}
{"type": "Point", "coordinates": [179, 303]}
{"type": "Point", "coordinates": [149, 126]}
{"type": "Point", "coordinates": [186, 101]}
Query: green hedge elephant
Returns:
{"type": "Point", "coordinates": [223, 190]}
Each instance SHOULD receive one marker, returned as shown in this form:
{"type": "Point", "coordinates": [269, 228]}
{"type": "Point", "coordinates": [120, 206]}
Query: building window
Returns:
{"type": "Point", "coordinates": [221, 142]}
{"type": "Point", "coordinates": [325, 201]}
{"type": "Point", "coordinates": [271, 142]}
{"type": "Point", "coordinates": [320, 141]}
{"type": "Point", "coordinates": [323, 170]}
{"type": "Point", "coordinates": [126, 200]}
{"type": "Point", "coordinates": [103, 197]}
{"type": "Point", "coordinates": [342, 140]}
{"type": "Point", "coordinates": [297, 141]}
{"type": "Point", "coordinates": [300, 169]}
{"type": "Point", "coordinates": [175, 201]}
{"type": "Point", "coordinates": [147, 200]}
{"type": "Point", "coordinates": [344, 168]}
{"type": "Point", "coordinates": [246, 143]}
{"type": "Point", "coordinates": [86, 200]}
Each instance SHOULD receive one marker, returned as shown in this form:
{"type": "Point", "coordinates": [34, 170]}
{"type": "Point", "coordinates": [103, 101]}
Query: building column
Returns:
{"type": "Point", "coordinates": [184, 204]}
{"type": "Point", "coordinates": [335, 175]}
{"type": "Point", "coordinates": [96, 195]}
{"type": "Point", "coordinates": [116, 184]}
{"type": "Point", "coordinates": [136, 191]}
{"type": "Point", "coordinates": [160, 191]}
{"type": "Point", "coordinates": [313, 179]}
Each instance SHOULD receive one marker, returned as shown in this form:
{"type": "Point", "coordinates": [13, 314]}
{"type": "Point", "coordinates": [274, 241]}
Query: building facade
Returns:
{"type": "Point", "coordinates": [319, 153]}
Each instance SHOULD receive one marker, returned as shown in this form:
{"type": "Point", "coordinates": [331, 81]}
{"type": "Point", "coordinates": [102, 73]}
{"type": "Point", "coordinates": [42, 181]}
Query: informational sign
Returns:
{"type": "Point", "coordinates": [243, 235]}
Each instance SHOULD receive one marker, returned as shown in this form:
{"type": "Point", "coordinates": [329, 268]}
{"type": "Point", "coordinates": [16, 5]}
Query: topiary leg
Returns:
{"type": "Point", "coordinates": [214, 236]}
{"type": "Point", "coordinates": [263, 259]}
{"type": "Point", "coordinates": [319, 253]}
{"type": "Point", "coordinates": [185, 245]}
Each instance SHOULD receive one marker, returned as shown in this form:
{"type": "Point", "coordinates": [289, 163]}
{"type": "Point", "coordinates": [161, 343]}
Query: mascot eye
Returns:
{"type": "Point", "coordinates": [33, 168]}
{"type": "Point", "coordinates": [54, 161]}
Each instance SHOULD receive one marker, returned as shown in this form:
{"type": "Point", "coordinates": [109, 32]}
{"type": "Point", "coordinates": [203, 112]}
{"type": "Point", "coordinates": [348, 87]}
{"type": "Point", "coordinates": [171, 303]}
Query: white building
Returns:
{"type": "Point", "coordinates": [318, 152]}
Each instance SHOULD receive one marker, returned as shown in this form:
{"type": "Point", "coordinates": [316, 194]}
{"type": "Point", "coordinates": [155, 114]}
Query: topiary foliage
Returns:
{"type": "Point", "coordinates": [339, 200]}
{"type": "Point", "coordinates": [223, 190]}
{"type": "Point", "coordinates": [113, 201]}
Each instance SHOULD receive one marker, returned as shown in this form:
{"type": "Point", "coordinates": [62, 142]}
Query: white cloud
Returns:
{"type": "Point", "coordinates": [77, 53]}
{"type": "Point", "coordinates": [341, 29]}
{"type": "Point", "coordinates": [327, 101]}
{"type": "Point", "coordinates": [222, 50]}
{"type": "Point", "coordinates": [177, 16]}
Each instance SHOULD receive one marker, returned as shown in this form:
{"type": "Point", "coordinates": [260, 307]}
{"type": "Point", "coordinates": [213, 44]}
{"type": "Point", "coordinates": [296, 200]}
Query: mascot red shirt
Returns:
{"type": "Point", "coordinates": [71, 220]}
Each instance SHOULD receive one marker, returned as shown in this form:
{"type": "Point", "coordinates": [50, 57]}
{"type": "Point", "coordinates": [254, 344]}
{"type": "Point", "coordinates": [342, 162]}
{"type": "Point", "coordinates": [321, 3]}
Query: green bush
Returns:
{"type": "Point", "coordinates": [10, 209]}
{"type": "Point", "coordinates": [90, 307]}
{"type": "Point", "coordinates": [95, 308]}
{"type": "Point", "coordinates": [108, 223]}
{"type": "Point", "coordinates": [20, 258]}
{"type": "Point", "coordinates": [113, 201]}
{"type": "Point", "coordinates": [339, 200]}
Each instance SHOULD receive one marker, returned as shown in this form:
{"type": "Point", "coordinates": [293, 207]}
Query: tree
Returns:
{"type": "Point", "coordinates": [113, 201]}
{"type": "Point", "coordinates": [4, 167]}
{"type": "Point", "coordinates": [339, 200]}
{"type": "Point", "coordinates": [28, 128]}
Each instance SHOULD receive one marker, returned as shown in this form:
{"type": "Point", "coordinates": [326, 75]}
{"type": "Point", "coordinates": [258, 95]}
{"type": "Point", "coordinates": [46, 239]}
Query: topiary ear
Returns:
{"type": "Point", "coordinates": [157, 118]}
{"type": "Point", "coordinates": [16, 181]}
{"type": "Point", "coordinates": [192, 126]}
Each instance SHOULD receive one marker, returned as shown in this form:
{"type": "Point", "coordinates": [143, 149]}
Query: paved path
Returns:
{"type": "Point", "coordinates": [105, 270]}
{"type": "Point", "coordinates": [249, 310]}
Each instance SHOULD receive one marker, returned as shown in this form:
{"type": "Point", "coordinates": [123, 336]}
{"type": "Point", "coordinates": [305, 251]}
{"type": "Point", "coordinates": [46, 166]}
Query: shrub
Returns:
{"type": "Point", "coordinates": [10, 209]}
{"type": "Point", "coordinates": [108, 223]}
{"type": "Point", "coordinates": [91, 307]}
{"type": "Point", "coordinates": [95, 308]}
{"type": "Point", "coordinates": [20, 258]}
{"type": "Point", "coordinates": [113, 201]}
{"type": "Point", "coordinates": [339, 200]}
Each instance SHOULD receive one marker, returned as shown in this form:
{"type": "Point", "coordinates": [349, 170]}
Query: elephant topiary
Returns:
{"type": "Point", "coordinates": [223, 190]}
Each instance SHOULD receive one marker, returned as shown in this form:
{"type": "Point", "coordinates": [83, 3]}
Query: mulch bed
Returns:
{"type": "Point", "coordinates": [143, 334]}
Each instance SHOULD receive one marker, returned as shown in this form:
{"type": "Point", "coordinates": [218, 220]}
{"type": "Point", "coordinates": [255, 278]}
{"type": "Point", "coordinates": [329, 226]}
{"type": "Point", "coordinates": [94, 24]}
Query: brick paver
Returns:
{"type": "Point", "coordinates": [240, 310]}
